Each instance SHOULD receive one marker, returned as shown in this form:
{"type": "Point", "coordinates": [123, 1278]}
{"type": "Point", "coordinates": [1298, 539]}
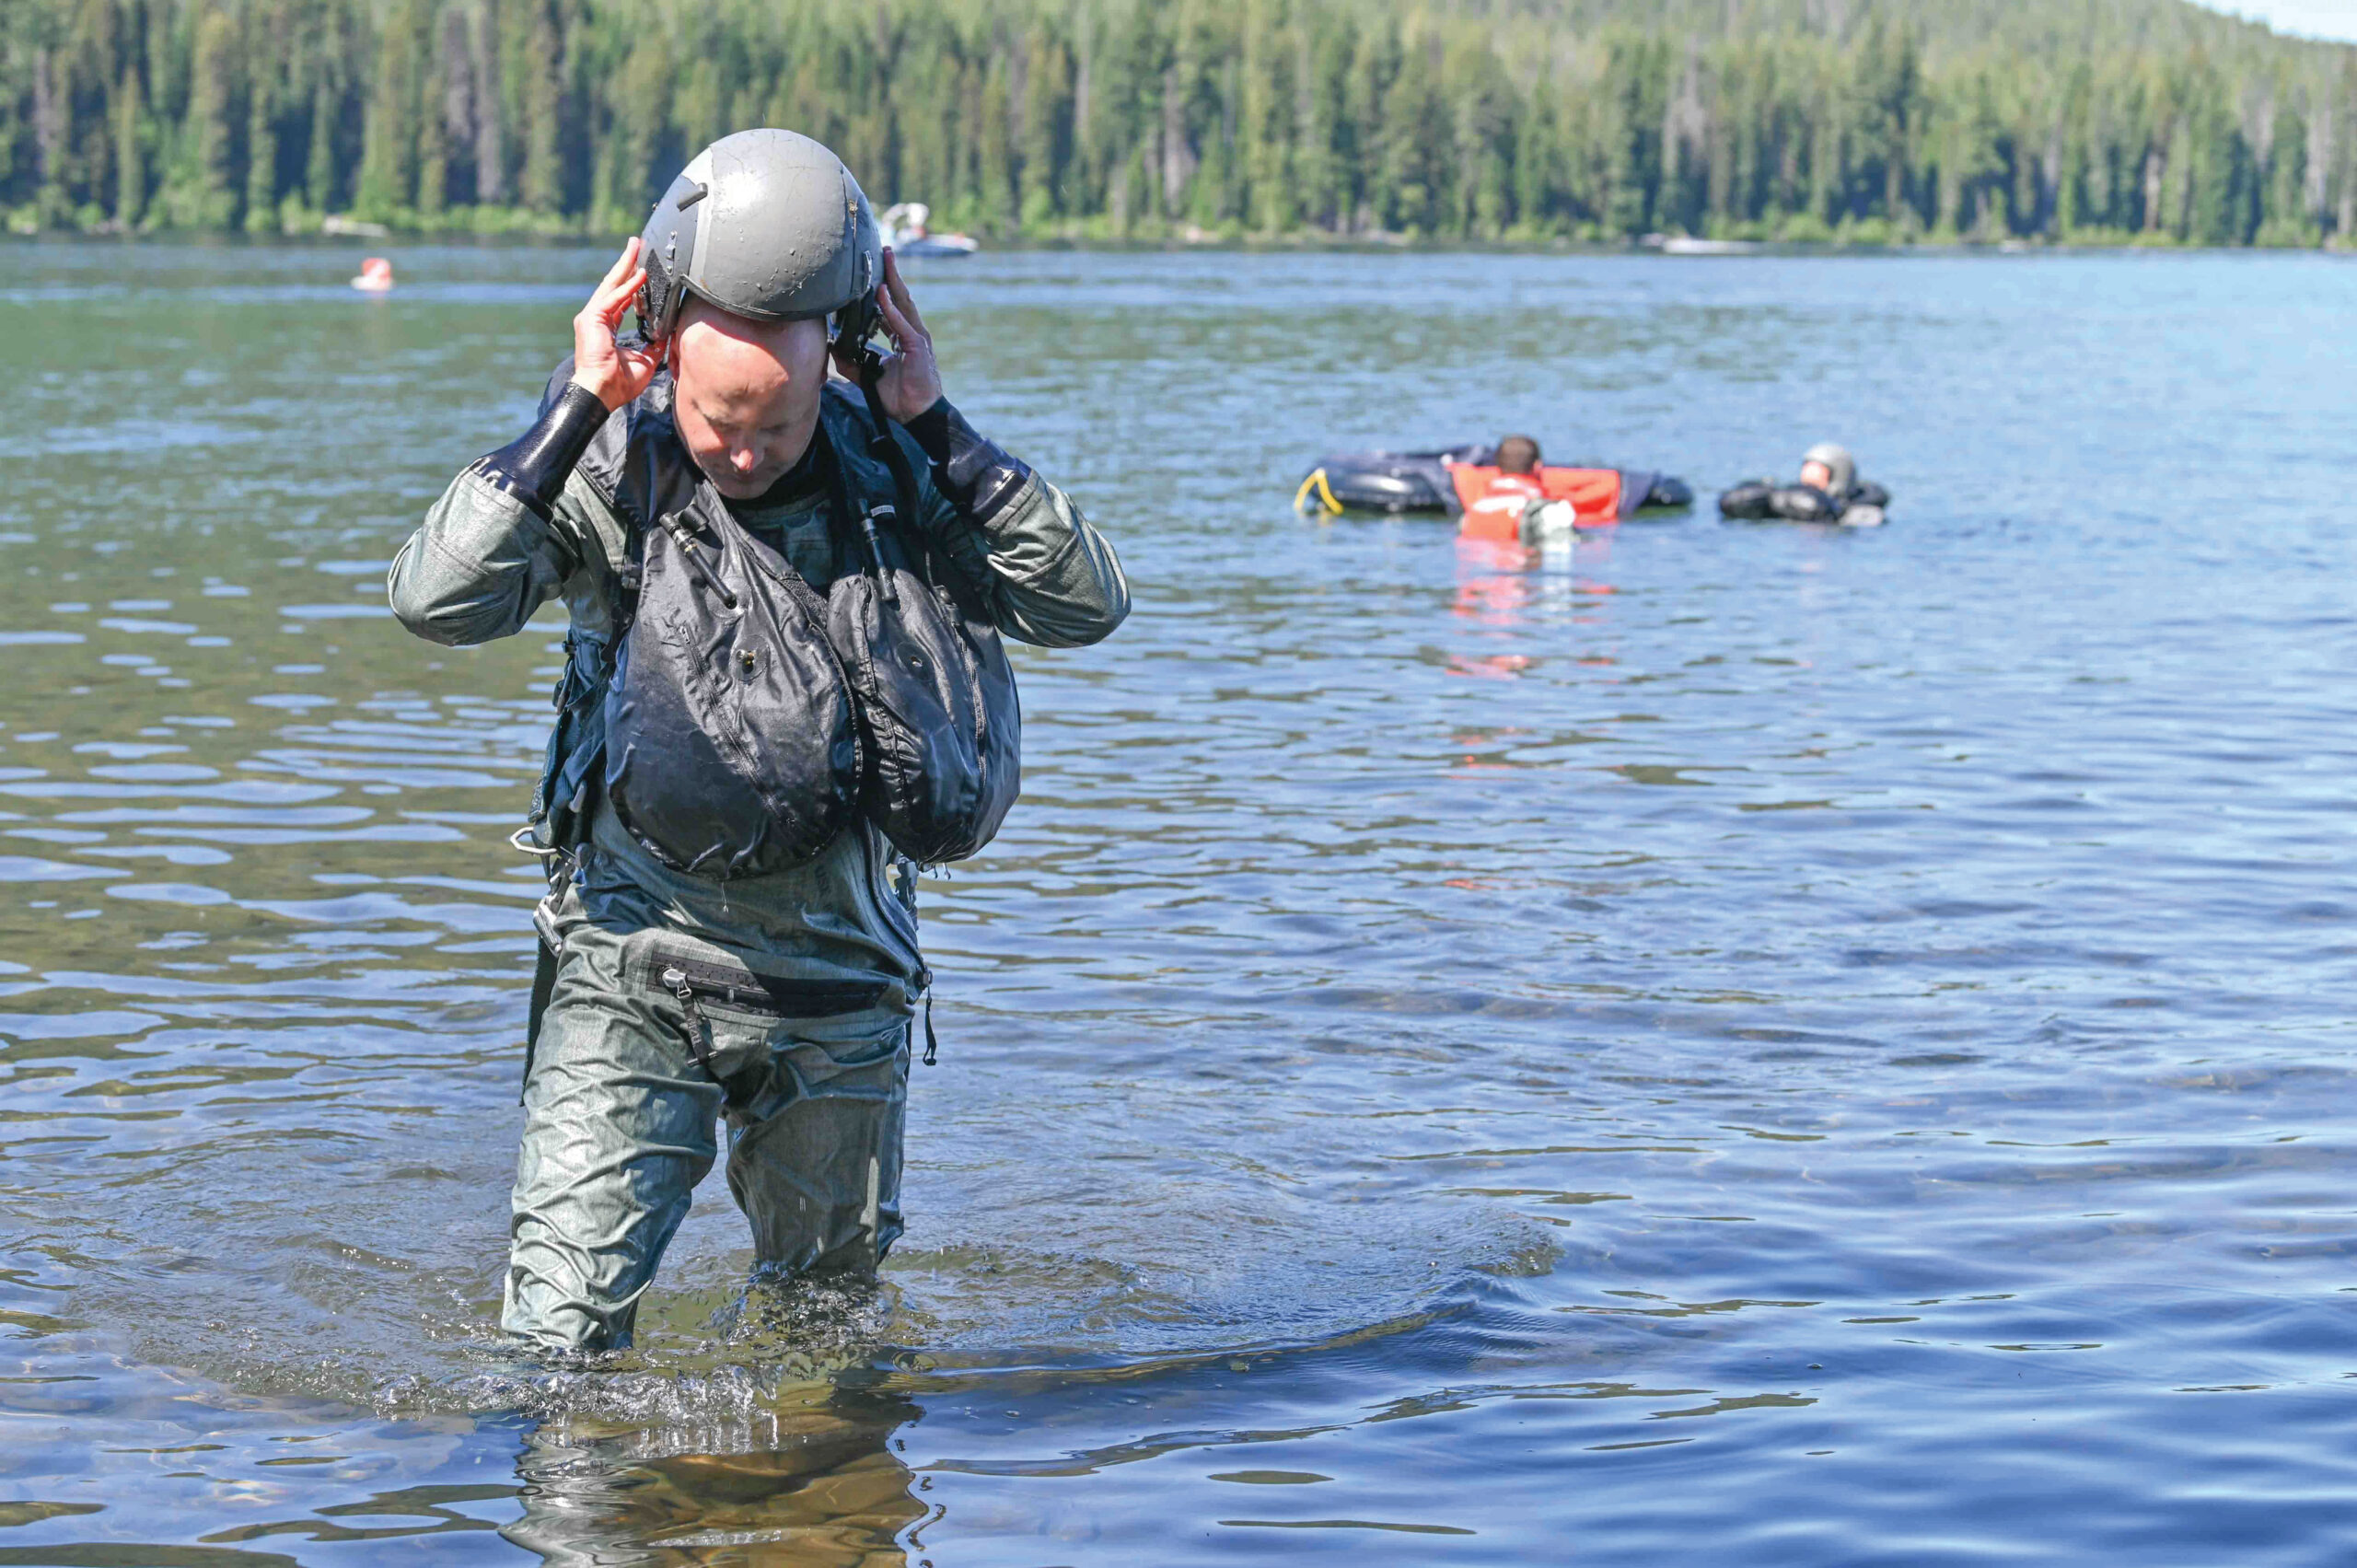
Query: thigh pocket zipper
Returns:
{"type": "Point", "coordinates": [699, 984]}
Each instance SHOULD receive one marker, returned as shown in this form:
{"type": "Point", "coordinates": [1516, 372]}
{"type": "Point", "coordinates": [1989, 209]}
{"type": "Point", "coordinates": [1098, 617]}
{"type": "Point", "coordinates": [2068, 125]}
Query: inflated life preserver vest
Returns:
{"type": "Point", "coordinates": [731, 745]}
{"type": "Point", "coordinates": [1492, 500]}
{"type": "Point", "coordinates": [740, 719]}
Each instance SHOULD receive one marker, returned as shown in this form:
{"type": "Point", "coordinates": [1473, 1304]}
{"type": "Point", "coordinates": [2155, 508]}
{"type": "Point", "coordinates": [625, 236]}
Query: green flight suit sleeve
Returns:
{"type": "Point", "coordinates": [1050, 578]}
{"type": "Point", "coordinates": [486, 559]}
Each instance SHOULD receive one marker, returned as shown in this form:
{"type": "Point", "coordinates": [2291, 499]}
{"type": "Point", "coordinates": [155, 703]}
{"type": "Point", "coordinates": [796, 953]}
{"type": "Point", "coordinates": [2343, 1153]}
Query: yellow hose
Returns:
{"type": "Point", "coordinates": [1317, 481]}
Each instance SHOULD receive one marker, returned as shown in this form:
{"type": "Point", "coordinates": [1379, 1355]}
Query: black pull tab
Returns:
{"type": "Point", "coordinates": [932, 1040]}
{"type": "Point", "coordinates": [698, 1046]}
{"type": "Point", "coordinates": [905, 878]}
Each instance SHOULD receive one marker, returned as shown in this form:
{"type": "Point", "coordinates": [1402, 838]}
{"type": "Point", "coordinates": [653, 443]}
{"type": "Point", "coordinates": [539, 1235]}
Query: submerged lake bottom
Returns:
{"type": "Point", "coordinates": [1746, 1043]}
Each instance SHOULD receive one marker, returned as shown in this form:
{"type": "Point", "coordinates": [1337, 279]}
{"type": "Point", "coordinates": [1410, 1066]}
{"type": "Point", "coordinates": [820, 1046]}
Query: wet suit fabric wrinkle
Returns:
{"type": "Point", "coordinates": [619, 1130]}
{"type": "Point", "coordinates": [621, 1120]}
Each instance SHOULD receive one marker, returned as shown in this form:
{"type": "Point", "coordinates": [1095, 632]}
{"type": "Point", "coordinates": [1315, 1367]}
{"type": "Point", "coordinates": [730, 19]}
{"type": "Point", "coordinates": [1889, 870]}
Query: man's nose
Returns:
{"type": "Point", "coordinates": [744, 459]}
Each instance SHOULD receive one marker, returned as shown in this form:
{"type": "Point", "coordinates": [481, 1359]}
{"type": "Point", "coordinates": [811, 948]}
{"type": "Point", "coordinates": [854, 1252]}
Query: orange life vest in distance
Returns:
{"type": "Point", "coordinates": [1494, 501]}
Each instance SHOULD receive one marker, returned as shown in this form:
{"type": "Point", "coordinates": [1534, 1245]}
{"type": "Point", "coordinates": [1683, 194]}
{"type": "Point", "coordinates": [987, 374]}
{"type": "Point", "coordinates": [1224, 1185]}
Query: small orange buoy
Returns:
{"type": "Point", "coordinates": [376, 276]}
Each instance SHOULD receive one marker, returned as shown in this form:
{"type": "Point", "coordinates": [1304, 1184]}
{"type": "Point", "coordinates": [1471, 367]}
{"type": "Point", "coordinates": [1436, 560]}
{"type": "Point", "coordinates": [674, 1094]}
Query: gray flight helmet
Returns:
{"type": "Point", "coordinates": [1838, 462]}
{"type": "Point", "coordinates": [766, 223]}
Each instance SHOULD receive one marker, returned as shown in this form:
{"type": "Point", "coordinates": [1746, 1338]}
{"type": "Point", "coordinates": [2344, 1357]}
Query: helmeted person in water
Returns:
{"type": "Point", "coordinates": [784, 691]}
{"type": "Point", "coordinates": [1830, 491]}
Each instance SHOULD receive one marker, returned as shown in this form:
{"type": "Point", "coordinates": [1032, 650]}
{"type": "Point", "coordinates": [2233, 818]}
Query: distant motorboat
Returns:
{"type": "Point", "coordinates": [1683, 245]}
{"type": "Point", "coordinates": [907, 230]}
{"type": "Point", "coordinates": [376, 276]}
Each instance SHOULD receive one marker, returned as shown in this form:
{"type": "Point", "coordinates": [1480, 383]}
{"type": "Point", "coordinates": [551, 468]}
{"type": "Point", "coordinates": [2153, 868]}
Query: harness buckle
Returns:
{"type": "Point", "coordinates": [537, 850]}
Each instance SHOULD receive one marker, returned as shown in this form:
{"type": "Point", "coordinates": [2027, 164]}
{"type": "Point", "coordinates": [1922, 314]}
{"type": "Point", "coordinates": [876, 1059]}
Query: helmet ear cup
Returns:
{"type": "Point", "coordinates": [857, 322]}
{"type": "Point", "coordinates": [858, 318]}
{"type": "Point", "coordinates": [667, 249]}
{"type": "Point", "coordinates": [658, 299]}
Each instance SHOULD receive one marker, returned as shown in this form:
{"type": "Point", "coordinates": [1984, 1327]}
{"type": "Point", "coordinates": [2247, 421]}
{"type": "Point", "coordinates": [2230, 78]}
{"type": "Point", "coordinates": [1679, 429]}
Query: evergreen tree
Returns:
{"type": "Point", "coordinates": [1415, 162]}
{"type": "Point", "coordinates": [1045, 146]}
{"type": "Point", "coordinates": [318, 174]}
{"type": "Point", "coordinates": [1265, 120]}
{"type": "Point", "coordinates": [994, 144]}
{"type": "Point", "coordinates": [489, 147]}
{"type": "Point", "coordinates": [261, 147]}
{"type": "Point", "coordinates": [542, 93]}
{"type": "Point", "coordinates": [212, 126]}
{"type": "Point", "coordinates": [388, 158]}
{"type": "Point", "coordinates": [131, 155]}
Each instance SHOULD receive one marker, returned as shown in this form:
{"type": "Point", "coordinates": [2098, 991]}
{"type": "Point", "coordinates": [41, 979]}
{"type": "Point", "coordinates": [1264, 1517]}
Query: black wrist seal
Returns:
{"type": "Point", "coordinates": [534, 467]}
{"type": "Point", "coordinates": [977, 474]}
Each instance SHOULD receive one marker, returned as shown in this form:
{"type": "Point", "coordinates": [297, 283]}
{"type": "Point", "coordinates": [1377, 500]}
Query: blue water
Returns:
{"type": "Point", "coordinates": [1760, 1045]}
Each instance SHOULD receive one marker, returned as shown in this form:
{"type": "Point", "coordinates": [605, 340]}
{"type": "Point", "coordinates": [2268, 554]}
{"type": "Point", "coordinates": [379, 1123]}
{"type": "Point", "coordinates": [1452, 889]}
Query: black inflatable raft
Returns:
{"type": "Point", "coordinates": [1422, 482]}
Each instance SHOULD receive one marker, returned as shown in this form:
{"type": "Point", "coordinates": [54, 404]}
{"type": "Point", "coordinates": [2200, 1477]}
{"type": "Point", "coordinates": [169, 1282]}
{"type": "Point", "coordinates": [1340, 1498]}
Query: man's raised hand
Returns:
{"type": "Point", "coordinates": [615, 372]}
{"type": "Point", "coordinates": [910, 382]}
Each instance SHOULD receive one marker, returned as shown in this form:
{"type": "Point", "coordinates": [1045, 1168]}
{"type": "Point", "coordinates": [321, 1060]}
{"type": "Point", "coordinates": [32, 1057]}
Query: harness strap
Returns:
{"type": "Point", "coordinates": [885, 445]}
{"type": "Point", "coordinates": [935, 564]}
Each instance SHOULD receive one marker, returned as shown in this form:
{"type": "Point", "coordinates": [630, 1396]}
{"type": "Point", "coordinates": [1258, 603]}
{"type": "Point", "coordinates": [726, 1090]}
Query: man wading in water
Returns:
{"type": "Point", "coordinates": [784, 689]}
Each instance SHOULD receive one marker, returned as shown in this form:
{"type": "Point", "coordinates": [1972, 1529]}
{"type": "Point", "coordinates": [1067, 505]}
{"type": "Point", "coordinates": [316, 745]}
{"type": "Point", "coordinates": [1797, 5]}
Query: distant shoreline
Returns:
{"type": "Point", "coordinates": [1652, 245]}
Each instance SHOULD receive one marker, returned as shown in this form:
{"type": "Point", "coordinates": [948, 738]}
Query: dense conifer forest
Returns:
{"type": "Point", "coordinates": [1866, 121]}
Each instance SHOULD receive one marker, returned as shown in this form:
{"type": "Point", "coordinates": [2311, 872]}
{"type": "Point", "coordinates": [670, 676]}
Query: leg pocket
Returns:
{"type": "Point", "coordinates": [728, 1013]}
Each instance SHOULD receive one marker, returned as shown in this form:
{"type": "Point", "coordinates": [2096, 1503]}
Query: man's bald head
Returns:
{"type": "Point", "coordinates": [746, 394]}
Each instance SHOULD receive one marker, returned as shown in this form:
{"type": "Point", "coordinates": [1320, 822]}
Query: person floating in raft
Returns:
{"type": "Point", "coordinates": [1451, 479]}
{"type": "Point", "coordinates": [1830, 491]}
{"type": "Point", "coordinates": [1509, 498]}
{"type": "Point", "coordinates": [1498, 496]}
{"type": "Point", "coordinates": [1495, 498]}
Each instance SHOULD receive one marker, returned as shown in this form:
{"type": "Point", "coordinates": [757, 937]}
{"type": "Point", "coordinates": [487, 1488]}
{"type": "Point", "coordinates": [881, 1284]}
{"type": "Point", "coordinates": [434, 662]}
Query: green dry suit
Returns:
{"type": "Point", "coordinates": [781, 1002]}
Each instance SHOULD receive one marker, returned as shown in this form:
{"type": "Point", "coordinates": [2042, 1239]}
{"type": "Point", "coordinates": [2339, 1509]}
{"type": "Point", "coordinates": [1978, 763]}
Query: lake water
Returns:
{"type": "Point", "coordinates": [1762, 1045]}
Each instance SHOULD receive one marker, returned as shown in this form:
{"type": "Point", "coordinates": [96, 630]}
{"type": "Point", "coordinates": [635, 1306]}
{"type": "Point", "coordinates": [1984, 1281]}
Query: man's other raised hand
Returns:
{"type": "Point", "coordinates": [614, 372]}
